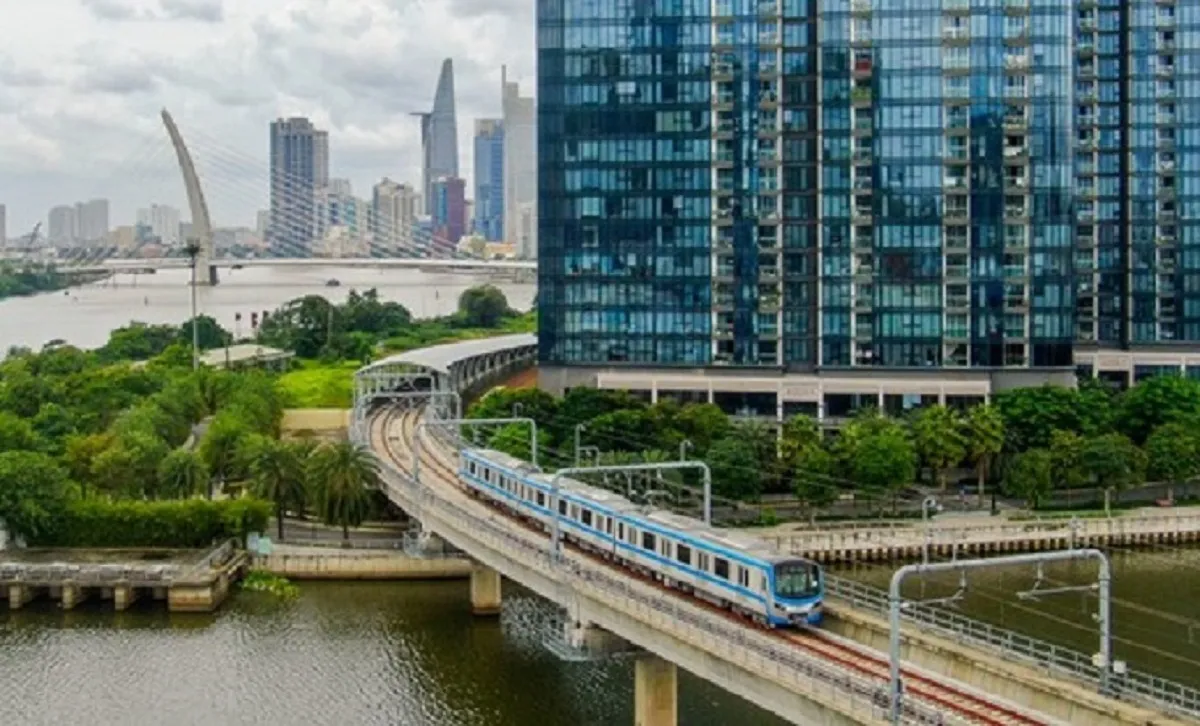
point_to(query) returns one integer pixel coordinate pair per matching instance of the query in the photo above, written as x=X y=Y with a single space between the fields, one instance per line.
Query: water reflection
x=362 y=653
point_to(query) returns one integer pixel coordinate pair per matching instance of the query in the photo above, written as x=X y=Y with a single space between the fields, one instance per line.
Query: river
x=410 y=653
x=84 y=315
x=354 y=654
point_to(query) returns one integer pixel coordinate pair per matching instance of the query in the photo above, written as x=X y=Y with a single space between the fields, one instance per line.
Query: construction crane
x=30 y=242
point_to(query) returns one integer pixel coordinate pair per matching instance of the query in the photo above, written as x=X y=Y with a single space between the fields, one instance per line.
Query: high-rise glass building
x=439 y=135
x=299 y=168
x=854 y=190
x=489 y=179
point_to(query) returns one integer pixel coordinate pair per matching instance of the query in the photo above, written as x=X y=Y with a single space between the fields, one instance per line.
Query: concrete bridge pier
x=485 y=591
x=655 y=692
x=594 y=640
x=123 y=596
x=19 y=596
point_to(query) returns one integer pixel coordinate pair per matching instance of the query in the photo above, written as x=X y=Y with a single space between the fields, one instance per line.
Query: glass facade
x=910 y=183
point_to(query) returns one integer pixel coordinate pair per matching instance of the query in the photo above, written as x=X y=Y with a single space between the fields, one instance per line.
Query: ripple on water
x=366 y=654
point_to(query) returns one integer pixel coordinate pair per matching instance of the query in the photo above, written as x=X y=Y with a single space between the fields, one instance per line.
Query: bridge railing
x=1133 y=685
x=759 y=652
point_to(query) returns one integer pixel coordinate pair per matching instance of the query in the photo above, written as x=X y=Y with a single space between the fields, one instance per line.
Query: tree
x=1157 y=401
x=627 y=430
x=1173 y=455
x=1029 y=476
x=366 y=313
x=702 y=424
x=34 y=491
x=1066 y=459
x=483 y=306
x=209 y=333
x=939 y=438
x=16 y=434
x=80 y=454
x=342 y=474
x=277 y=475
x=985 y=441
x=138 y=341
x=219 y=447
x=799 y=433
x=812 y=469
x=1031 y=415
x=304 y=325
x=53 y=424
x=735 y=469
x=181 y=474
x=1115 y=463
x=885 y=461
x=513 y=439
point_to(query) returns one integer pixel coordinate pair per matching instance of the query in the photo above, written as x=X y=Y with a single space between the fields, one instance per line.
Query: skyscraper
x=299 y=167
x=62 y=226
x=520 y=167
x=91 y=220
x=449 y=211
x=439 y=134
x=489 y=179
x=3 y=227
x=842 y=185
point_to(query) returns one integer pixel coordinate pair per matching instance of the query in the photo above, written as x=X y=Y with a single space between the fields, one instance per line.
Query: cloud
x=79 y=107
x=205 y=11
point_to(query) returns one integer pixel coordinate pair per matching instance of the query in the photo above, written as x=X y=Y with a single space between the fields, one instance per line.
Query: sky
x=82 y=83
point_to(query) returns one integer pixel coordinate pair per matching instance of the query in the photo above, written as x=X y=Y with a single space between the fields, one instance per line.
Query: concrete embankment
x=332 y=563
x=1033 y=688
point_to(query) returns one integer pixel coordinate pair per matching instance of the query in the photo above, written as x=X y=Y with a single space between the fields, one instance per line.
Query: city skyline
x=78 y=109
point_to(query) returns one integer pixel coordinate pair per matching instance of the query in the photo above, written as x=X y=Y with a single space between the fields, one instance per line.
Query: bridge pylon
x=206 y=271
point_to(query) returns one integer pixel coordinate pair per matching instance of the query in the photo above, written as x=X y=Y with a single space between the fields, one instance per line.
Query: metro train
x=727 y=569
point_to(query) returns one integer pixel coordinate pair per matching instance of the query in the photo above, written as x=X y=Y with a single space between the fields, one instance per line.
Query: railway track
x=395 y=425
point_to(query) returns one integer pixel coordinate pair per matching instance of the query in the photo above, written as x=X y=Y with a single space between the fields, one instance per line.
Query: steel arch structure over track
x=453 y=367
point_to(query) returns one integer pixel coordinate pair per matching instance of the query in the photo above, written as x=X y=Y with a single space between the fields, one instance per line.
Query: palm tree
x=985 y=440
x=278 y=475
x=342 y=474
x=181 y=473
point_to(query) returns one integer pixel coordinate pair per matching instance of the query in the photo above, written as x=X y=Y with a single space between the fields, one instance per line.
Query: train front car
x=798 y=590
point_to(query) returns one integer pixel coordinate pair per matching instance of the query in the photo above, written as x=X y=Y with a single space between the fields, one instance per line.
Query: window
x=586 y=517
x=620 y=530
x=702 y=561
x=541 y=499
x=683 y=553
x=721 y=567
x=743 y=576
x=647 y=541
x=562 y=508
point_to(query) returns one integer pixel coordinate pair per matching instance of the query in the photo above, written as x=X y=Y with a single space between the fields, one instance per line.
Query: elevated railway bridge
x=954 y=671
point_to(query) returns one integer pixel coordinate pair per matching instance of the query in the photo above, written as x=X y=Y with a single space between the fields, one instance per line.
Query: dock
x=951 y=536
x=188 y=581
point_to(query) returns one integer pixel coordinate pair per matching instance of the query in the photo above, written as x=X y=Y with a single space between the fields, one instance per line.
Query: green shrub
x=189 y=523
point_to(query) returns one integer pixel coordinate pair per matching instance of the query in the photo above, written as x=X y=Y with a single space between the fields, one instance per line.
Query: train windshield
x=797 y=579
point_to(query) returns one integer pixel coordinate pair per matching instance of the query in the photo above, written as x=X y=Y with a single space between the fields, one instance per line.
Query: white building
x=91 y=220
x=163 y=222
x=396 y=207
x=3 y=227
x=520 y=168
x=63 y=226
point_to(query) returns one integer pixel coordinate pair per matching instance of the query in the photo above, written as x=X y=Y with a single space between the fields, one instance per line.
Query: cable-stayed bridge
x=357 y=238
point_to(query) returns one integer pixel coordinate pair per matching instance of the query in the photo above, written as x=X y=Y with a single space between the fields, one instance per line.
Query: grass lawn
x=317 y=385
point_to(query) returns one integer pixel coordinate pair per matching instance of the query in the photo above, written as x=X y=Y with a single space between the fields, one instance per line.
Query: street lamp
x=579 y=428
x=193 y=251
x=929 y=506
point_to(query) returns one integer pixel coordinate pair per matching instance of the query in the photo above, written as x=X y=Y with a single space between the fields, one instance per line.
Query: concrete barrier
x=324 y=563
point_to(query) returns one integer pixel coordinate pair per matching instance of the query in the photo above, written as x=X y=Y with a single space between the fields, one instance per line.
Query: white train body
x=728 y=569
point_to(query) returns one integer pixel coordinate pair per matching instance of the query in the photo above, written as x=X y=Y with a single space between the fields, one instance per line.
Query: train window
x=721 y=567
x=762 y=584
x=541 y=499
x=702 y=561
x=471 y=468
x=574 y=511
x=586 y=518
x=608 y=525
x=683 y=553
x=743 y=577
x=666 y=548
x=562 y=508
x=647 y=541
x=621 y=530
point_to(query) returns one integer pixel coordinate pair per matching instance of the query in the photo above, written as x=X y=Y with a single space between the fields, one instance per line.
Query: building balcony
x=950 y=63
x=1013 y=152
x=1164 y=71
x=1016 y=5
x=1087 y=25
x=955 y=182
x=860 y=95
x=1013 y=62
x=1015 y=121
x=957 y=271
x=1166 y=119
x=860 y=6
x=1015 y=212
x=956 y=5
x=1085 y=48
x=956 y=33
